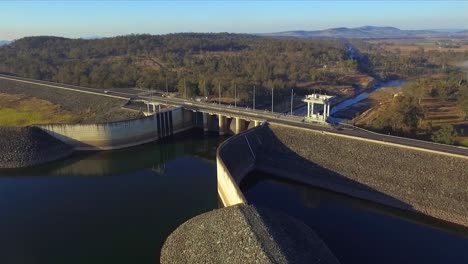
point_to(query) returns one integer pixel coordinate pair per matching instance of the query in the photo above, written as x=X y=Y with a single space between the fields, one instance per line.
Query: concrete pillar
x=240 y=123
x=308 y=109
x=147 y=105
x=328 y=109
x=206 y=117
x=256 y=123
x=324 y=111
x=154 y=108
x=222 y=124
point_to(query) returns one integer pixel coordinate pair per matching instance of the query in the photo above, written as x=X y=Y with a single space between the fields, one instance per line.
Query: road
x=250 y=114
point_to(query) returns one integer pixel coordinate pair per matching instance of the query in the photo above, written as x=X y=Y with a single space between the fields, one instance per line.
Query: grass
x=20 y=110
x=462 y=141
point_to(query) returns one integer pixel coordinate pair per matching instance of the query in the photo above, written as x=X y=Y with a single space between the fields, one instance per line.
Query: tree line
x=197 y=63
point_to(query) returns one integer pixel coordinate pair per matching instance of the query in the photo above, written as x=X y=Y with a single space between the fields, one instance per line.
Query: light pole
x=167 y=91
x=235 y=95
x=204 y=88
x=272 y=95
x=292 y=96
x=185 y=90
x=219 y=93
x=254 y=99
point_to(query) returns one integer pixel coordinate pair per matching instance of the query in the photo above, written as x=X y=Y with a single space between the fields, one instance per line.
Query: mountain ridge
x=366 y=32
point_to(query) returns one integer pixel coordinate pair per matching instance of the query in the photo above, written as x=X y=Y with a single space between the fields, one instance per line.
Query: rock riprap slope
x=430 y=183
x=27 y=146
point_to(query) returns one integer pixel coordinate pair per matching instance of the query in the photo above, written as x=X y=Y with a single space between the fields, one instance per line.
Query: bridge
x=245 y=118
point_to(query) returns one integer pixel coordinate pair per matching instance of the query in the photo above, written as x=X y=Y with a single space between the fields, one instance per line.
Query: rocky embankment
x=22 y=147
x=434 y=184
x=245 y=234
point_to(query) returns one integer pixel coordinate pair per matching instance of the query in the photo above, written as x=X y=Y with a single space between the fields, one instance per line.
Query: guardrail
x=397 y=137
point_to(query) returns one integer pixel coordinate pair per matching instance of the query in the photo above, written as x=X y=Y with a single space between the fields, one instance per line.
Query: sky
x=107 y=18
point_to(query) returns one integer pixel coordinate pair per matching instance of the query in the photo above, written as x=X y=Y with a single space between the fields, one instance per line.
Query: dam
x=333 y=163
x=120 y=205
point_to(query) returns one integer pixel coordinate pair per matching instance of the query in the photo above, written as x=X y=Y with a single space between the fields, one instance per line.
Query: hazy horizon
x=200 y=32
x=113 y=18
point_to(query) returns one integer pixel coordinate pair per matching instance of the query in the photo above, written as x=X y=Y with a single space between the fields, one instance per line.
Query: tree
x=445 y=135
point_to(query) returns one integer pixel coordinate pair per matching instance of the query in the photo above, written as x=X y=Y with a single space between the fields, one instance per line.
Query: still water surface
x=106 y=207
x=358 y=231
x=119 y=206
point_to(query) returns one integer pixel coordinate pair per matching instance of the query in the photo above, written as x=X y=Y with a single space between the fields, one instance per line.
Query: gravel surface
x=244 y=234
x=433 y=184
x=22 y=147
x=91 y=108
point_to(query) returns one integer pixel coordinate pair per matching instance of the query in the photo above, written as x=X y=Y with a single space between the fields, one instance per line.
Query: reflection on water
x=66 y=212
x=358 y=231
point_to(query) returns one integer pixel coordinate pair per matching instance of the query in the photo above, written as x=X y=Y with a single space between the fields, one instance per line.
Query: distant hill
x=367 y=32
x=4 y=42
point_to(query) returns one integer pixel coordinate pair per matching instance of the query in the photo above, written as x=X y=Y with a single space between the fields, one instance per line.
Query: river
x=353 y=100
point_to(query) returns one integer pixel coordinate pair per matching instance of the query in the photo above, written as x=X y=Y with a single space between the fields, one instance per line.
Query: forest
x=196 y=64
x=198 y=61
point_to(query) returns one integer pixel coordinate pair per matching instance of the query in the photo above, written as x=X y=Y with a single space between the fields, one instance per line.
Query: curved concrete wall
x=235 y=159
x=121 y=134
x=408 y=179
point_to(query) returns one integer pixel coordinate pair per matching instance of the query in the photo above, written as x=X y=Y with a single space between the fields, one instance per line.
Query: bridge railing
x=346 y=125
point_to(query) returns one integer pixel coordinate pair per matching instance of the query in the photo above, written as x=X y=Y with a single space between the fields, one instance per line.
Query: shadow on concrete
x=311 y=197
x=277 y=159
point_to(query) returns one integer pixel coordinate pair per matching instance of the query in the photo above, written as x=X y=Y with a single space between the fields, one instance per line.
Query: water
x=357 y=231
x=353 y=100
x=119 y=207
x=362 y=96
x=106 y=207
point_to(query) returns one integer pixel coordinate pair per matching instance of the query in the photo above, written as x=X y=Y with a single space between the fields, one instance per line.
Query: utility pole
x=254 y=99
x=272 y=95
x=235 y=95
x=292 y=96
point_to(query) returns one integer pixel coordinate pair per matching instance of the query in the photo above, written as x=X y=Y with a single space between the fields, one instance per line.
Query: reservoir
x=119 y=207
x=106 y=207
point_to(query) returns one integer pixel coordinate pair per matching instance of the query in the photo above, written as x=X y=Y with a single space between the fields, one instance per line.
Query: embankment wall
x=428 y=183
x=121 y=134
x=28 y=146
x=235 y=159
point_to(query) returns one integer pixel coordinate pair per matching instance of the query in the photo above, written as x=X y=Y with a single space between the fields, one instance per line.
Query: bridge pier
x=222 y=124
x=206 y=120
x=240 y=124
